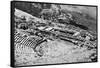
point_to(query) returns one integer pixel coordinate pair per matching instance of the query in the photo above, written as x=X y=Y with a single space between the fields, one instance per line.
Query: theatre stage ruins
x=54 y=35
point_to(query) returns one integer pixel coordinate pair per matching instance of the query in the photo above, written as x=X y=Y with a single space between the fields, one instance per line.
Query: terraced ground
x=52 y=52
